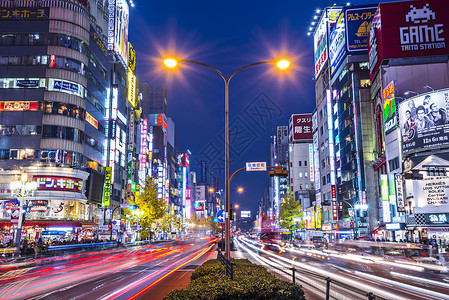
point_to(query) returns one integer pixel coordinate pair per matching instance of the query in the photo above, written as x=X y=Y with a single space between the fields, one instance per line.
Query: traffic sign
x=256 y=166
x=124 y=205
x=221 y=216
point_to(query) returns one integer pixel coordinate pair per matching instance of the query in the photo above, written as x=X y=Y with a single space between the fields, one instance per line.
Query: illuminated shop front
x=58 y=205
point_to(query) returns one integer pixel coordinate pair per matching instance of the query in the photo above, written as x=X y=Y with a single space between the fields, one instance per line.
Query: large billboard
x=423 y=121
x=408 y=29
x=358 y=22
x=121 y=30
x=320 y=37
x=431 y=194
x=300 y=127
x=337 y=43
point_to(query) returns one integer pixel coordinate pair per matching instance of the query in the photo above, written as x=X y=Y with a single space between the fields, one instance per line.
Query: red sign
x=15 y=215
x=184 y=157
x=300 y=127
x=408 y=29
x=18 y=105
x=57 y=183
x=334 y=203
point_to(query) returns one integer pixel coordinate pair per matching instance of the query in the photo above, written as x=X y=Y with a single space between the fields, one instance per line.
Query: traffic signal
x=278 y=171
x=351 y=224
x=232 y=215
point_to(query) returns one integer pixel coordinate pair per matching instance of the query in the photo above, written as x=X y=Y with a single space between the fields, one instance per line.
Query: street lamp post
x=21 y=189
x=281 y=64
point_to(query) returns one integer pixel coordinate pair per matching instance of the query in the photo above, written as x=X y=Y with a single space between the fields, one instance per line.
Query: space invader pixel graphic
x=420 y=15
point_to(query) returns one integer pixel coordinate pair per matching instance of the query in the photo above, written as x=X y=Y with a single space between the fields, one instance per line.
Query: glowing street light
x=240 y=190
x=170 y=62
x=281 y=64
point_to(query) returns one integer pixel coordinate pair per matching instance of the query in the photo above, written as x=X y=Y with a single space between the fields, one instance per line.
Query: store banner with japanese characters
x=300 y=127
x=57 y=183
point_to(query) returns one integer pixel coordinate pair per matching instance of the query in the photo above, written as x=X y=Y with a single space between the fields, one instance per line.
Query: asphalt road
x=352 y=276
x=114 y=274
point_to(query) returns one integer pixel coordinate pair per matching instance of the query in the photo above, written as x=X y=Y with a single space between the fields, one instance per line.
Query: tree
x=289 y=211
x=149 y=205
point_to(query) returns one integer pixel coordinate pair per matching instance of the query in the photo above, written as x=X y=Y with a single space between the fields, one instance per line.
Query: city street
x=112 y=274
x=384 y=278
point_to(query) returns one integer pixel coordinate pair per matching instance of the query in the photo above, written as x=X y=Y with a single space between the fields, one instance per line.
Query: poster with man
x=423 y=121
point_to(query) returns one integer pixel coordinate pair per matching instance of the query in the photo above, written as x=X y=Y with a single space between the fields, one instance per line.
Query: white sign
x=431 y=194
x=103 y=227
x=256 y=166
x=399 y=192
x=245 y=214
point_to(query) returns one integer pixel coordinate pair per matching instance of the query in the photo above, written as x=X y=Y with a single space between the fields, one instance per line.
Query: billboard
x=245 y=214
x=358 y=22
x=300 y=127
x=121 y=30
x=58 y=183
x=431 y=194
x=389 y=107
x=18 y=105
x=409 y=29
x=423 y=121
x=337 y=42
x=320 y=37
x=131 y=58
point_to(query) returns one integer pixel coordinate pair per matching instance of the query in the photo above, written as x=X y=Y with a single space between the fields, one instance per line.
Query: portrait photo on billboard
x=423 y=121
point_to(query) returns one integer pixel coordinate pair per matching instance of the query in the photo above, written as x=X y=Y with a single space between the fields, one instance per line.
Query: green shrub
x=251 y=281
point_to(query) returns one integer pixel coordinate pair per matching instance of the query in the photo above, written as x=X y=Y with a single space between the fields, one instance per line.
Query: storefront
x=57 y=210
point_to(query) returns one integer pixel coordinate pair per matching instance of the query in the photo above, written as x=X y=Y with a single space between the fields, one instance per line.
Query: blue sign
x=60 y=85
x=31 y=83
x=221 y=216
x=358 y=22
x=337 y=49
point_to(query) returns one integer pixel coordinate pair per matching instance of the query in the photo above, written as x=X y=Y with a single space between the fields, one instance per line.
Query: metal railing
x=320 y=285
x=229 y=266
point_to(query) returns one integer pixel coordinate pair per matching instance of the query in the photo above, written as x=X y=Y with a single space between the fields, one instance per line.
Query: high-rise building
x=63 y=110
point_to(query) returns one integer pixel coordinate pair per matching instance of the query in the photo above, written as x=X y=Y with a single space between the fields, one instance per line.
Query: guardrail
x=229 y=266
x=81 y=246
x=329 y=288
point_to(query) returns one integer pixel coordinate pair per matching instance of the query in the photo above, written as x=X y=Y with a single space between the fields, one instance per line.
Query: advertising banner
x=358 y=22
x=15 y=215
x=18 y=105
x=107 y=187
x=57 y=183
x=411 y=29
x=424 y=122
x=337 y=44
x=431 y=194
x=24 y=13
x=91 y=120
x=334 y=204
x=400 y=201
x=300 y=127
x=375 y=44
x=27 y=83
x=389 y=107
x=121 y=30
x=320 y=37
x=66 y=87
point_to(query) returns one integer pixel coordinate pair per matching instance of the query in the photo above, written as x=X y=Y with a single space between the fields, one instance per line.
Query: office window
x=324 y=180
x=299 y=163
x=300 y=186
x=300 y=174
x=305 y=163
x=307 y=186
x=328 y=177
x=305 y=175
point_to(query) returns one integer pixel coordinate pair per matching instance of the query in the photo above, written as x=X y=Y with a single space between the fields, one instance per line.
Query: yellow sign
x=318 y=217
x=91 y=120
x=132 y=82
x=131 y=58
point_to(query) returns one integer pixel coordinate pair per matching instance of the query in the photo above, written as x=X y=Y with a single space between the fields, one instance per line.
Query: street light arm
x=207 y=66
x=247 y=66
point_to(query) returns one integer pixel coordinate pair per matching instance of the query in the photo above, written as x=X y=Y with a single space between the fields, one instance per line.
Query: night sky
x=228 y=35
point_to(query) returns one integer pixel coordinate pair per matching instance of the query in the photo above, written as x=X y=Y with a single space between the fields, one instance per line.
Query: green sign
x=133 y=186
x=107 y=187
x=130 y=169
